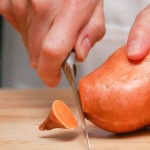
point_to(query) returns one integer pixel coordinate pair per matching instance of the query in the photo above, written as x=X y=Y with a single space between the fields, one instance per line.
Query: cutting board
x=22 y=111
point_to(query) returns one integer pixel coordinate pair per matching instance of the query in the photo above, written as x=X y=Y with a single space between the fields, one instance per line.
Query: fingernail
x=133 y=48
x=85 y=47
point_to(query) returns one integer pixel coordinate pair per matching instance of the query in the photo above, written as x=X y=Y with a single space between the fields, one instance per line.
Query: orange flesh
x=64 y=114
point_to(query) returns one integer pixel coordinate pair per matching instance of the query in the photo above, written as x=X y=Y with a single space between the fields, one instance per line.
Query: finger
x=6 y=11
x=21 y=11
x=91 y=33
x=60 y=40
x=138 y=44
x=39 y=25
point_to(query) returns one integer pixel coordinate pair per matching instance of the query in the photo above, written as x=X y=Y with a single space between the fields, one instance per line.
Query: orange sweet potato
x=116 y=96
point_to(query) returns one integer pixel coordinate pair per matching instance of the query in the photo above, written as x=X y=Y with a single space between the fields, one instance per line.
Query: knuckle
x=40 y=6
x=18 y=7
x=99 y=29
x=49 y=50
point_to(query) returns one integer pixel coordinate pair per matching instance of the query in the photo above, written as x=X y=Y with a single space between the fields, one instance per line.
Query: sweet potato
x=116 y=96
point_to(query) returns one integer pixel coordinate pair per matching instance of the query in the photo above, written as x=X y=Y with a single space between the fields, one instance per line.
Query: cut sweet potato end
x=64 y=114
x=60 y=116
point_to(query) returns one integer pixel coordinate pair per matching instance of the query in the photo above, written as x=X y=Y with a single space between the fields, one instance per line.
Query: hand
x=138 y=44
x=50 y=29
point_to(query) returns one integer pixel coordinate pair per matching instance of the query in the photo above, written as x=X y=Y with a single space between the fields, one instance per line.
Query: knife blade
x=69 y=68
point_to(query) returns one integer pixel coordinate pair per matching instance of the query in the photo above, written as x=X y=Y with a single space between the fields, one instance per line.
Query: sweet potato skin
x=116 y=96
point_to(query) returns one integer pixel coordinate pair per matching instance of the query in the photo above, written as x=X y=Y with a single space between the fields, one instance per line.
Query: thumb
x=138 y=44
x=92 y=32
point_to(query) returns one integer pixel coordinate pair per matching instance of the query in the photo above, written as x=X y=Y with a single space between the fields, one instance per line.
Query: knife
x=69 y=68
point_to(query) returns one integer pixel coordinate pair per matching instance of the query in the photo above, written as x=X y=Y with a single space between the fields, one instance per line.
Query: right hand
x=51 y=28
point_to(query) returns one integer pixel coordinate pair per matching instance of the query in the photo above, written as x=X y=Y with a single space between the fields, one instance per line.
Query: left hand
x=138 y=44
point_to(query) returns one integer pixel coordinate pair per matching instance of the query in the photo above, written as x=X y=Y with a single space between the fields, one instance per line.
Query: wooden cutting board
x=21 y=112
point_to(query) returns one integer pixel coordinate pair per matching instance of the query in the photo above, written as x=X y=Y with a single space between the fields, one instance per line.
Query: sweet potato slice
x=60 y=117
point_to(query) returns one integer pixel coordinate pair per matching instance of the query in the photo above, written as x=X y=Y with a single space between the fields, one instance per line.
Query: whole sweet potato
x=116 y=96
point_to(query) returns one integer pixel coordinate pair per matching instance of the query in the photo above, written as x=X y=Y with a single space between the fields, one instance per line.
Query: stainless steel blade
x=69 y=68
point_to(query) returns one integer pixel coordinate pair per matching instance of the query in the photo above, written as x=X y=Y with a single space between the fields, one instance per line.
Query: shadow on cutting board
x=62 y=135
x=95 y=132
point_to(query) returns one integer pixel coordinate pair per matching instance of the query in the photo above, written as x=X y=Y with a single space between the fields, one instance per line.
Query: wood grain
x=21 y=112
